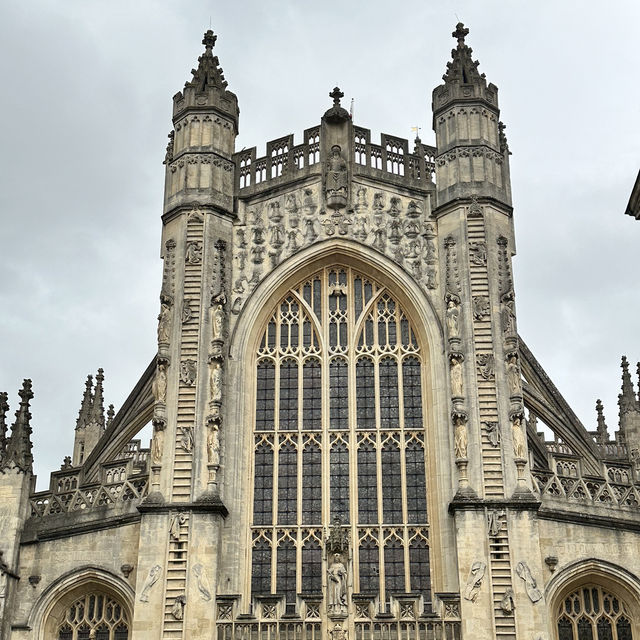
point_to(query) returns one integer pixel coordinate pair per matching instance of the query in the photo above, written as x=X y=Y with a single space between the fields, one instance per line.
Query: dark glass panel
x=420 y=568
x=565 y=630
x=286 y=570
x=311 y=484
x=121 y=632
x=312 y=567
x=367 y=484
x=623 y=627
x=271 y=335
x=263 y=485
x=365 y=394
x=369 y=567
x=605 y=632
x=339 y=481
x=357 y=297
x=312 y=395
x=288 y=412
x=585 y=632
x=389 y=406
x=338 y=395
x=102 y=633
x=287 y=484
x=265 y=395
x=261 y=568
x=317 y=298
x=412 y=393
x=416 y=483
x=404 y=332
x=65 y=633
x=394 y=566
x=391 y=483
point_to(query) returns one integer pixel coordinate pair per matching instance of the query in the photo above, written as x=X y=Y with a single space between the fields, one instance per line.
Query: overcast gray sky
x=86 y=109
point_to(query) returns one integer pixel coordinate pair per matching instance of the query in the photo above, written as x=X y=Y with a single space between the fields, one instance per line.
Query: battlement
x=285 y=160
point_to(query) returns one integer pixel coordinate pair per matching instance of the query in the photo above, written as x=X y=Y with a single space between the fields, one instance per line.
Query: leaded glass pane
x=365 y=394
x=265 y=395
x=419 y=567
x=261 y=568
x=312 y=484
x=312 y=567
x=565 y=629
x=288 y=412
x=287 y=484
x=416 y=483
x=389 y=408
x=263 y=485
x=367 y=484
x=286 y=570
x=312 y=395
x=394 y=566
x=338 y=394
x=412 y=393
x=391 y=483
x=369 y=567
x=339 y=481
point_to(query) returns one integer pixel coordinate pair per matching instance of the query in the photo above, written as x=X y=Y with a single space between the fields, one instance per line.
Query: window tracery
x=95 y=615
x=339 y=431
x=593 y=613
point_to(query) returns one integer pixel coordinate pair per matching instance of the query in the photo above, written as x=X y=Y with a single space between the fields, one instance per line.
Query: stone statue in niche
x=164 y=323
x=309 y=202
x=217 y=322
x=159 y=385
x=474 y=581
x=453 y=317
x=310 y=232
x=431 y=277
x=193 y=254
x=213 y=444
x=152 y=578
x=508 y=315
x=177 y=610
x=276 y=235
x=187 y=312
x=292 y=240
x=361 y=200
x=157 y=443
x=380 y=239
x=337 y=180
x=456 y=375
x=519 y=445
x=202 y=581
x=216 y=383
x=513 y=375
x=337 y=586
x=530 y=585
x=460 y=437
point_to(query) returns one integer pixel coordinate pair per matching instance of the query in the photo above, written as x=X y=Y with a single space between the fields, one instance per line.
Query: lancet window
x=339 y=432
x=593 y=613
x=95 y=615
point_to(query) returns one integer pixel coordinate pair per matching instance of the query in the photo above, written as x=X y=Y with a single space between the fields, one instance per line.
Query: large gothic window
x=96 y=615
x=591 y=613
x=339 y=432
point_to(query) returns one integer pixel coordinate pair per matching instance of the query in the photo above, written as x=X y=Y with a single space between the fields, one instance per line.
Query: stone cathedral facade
x=347 y=435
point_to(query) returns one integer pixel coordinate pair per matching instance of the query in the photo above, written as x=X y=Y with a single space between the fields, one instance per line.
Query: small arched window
x=593 y=613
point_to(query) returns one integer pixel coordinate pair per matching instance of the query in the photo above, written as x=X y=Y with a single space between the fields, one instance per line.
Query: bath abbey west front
x=347 y=428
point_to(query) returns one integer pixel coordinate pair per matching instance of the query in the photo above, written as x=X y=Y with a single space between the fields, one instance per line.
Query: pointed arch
x=245 y=340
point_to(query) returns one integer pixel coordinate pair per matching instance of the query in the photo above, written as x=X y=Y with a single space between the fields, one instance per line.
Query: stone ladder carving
x=500 y=562
x=483 y=343
x=176 y=574
x=183 y=461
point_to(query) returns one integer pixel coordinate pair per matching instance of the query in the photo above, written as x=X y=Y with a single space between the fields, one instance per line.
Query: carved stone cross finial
x=460 y=33
x=336 y=94
x=209 y=39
